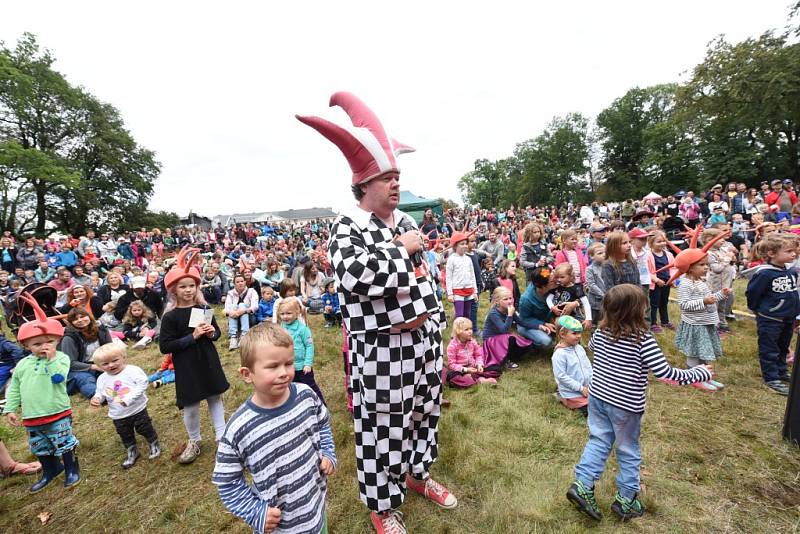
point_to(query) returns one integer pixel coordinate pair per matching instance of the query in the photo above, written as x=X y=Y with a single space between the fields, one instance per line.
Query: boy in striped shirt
x=282 y=435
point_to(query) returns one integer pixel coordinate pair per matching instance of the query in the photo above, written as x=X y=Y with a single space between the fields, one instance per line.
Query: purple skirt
x=497 y=348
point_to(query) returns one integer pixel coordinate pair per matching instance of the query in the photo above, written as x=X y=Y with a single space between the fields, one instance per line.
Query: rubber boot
x=133 y=454
x=72 y=471
x=51 y=468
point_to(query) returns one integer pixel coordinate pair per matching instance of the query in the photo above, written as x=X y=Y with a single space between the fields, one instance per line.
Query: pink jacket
x=561 y=257
x=460 y=355
x=651 y=266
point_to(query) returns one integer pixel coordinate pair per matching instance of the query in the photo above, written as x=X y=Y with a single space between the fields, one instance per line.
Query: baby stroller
x=20 y=312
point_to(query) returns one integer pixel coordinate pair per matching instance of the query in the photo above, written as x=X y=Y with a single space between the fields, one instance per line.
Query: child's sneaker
x=142 y=343
x=583 y=498
x=190 y=453
x=390 y=522
x=234 y=344
x=511 y=365
x=778 y=387
x=718 y=385
x=627 y=508
x=432 y=490
x=705 y=386
x=157 y=384
x=655 y=329
x=155 y=450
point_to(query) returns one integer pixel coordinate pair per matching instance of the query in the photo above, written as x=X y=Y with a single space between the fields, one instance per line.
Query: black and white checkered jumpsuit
x=396 y=377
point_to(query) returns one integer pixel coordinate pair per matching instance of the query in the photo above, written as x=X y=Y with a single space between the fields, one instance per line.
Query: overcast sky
x=212 y=88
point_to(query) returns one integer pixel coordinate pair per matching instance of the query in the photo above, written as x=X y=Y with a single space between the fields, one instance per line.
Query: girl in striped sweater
x=624 y=352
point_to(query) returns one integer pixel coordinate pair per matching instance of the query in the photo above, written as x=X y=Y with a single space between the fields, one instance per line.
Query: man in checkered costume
x=393 y=317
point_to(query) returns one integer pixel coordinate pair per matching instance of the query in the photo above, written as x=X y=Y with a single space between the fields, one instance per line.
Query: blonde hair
x=147 y=313
x=655 y=234
x=108 y=351
x=593 y=248
x=293 y=302
x=499 y=293
x=614 y=252
x=709 y=234
x=461 y=324
x=527 y=234
x=564 y=268
x=267 y=334
x=567 y=234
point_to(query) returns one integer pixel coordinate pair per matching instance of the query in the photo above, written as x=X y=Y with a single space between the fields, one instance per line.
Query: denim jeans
x=540 y=339
x=773 y=345
x=84 y=382
x=234 y=323
x=609 y=424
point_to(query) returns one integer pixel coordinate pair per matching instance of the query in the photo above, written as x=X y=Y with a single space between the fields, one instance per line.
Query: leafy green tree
x=487 y=184
x=66 y=159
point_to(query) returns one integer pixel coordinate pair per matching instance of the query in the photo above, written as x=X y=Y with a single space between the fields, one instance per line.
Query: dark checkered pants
x=397 y=390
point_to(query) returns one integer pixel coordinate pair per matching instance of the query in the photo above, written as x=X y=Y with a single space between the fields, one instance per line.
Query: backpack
x=22 y=312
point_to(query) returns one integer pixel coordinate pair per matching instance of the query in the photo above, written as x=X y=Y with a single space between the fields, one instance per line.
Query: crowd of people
x=552 y=275
x=579 y=263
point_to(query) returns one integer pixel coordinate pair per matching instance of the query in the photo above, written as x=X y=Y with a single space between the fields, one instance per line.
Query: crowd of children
x=605 y=280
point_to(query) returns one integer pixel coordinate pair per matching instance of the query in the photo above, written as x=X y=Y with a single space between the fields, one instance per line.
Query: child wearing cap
x=330 y=305
x=571 y=367
x=39 y=386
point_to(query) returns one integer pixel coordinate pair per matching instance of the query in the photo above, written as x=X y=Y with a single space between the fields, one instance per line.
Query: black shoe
x=155 y=450
x=627 y=509
x=778 y=387
x=511 y=365
x=51 y=468
x=133 y=454
x=583 y=498
x=72 y=470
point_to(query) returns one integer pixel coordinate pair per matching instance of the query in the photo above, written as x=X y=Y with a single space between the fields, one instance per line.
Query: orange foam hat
x=184 y=267
x=42 y=325
x=684 y=259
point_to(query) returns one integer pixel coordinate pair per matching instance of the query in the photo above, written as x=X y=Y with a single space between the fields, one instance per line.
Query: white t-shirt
x=123 y=391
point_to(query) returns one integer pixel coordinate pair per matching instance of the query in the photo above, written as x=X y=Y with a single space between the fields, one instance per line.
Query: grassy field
x=712 y=462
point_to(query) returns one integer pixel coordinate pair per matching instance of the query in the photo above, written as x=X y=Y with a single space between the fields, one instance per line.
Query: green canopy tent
x=416 y=206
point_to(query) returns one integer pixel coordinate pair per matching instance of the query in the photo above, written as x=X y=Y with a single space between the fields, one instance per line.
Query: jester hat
x=184 y=267
x=684 y=259
x=42 y=325
x=367 y=147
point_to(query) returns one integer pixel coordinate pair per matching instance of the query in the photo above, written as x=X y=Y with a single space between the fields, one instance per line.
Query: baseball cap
x=638 y=233
x=597 y=228
x=788 y=181
x=570 y=323
x=775 y=181
x=717 y=186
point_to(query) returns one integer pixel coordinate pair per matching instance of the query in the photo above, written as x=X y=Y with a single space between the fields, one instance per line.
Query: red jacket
x=773 y=196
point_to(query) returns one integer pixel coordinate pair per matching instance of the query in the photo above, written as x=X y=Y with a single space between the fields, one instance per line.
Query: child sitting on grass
x=571 y=366
x=289 y=483
x=465 y=358
x=122 y=386
x=330 y=305
x=165 y=373
x=266 y=306
x=568 y=298
x=624 y=352
x=39 y=385
x=500 y=345
x=139 y=324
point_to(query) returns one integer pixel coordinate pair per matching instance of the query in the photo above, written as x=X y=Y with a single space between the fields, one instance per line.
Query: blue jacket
x=67 y=258
x=265 y=309
x=331 y=300
x=772 y=292
x=10 y=353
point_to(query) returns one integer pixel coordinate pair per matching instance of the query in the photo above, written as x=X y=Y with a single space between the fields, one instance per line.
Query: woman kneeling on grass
x=624 y=351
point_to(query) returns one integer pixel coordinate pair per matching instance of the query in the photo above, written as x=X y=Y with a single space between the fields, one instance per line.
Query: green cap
x=570 y=323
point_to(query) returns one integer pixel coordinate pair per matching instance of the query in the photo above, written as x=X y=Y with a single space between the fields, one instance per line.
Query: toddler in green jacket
x=39 y=386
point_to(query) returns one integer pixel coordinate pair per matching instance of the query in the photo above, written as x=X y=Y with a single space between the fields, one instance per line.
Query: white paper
x=200 y=316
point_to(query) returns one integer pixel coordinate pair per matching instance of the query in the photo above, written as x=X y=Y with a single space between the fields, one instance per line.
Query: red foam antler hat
x=184 y=267
x=42 y=325
x=686 y=258
x=366 y=145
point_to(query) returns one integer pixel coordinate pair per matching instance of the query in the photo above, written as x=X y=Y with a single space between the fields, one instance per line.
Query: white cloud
x=213 y=88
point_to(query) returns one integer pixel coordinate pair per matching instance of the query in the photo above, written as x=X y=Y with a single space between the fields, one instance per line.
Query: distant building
x=194 y=219
x=293 y=216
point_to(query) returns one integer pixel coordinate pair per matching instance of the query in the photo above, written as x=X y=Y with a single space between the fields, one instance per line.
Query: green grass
x=712 y=462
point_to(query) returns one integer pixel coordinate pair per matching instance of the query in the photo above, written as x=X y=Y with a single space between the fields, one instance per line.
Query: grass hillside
x=712 y=462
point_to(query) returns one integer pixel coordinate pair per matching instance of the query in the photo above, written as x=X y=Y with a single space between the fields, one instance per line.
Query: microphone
x=406 y=226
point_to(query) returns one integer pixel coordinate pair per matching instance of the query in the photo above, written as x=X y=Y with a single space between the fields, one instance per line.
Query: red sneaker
x=432 y=490
x=390 y=522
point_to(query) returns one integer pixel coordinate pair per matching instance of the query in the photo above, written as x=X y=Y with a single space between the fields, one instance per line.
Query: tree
x=66 y=159
x=743 y=106
x=553 y=167
x=487 y=184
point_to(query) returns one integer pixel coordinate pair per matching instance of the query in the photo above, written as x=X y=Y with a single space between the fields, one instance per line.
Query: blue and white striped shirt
x=282 y=448
x=619 y=370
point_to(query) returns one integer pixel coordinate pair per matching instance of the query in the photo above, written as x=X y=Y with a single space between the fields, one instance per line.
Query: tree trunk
x=792 y=136
x=41 y=207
